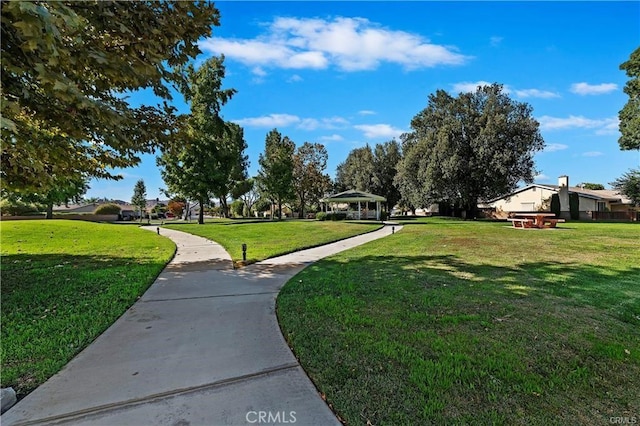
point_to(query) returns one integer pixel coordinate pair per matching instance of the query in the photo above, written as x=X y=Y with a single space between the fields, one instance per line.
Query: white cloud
x=553 y=147
x=285 y=120
x=259 y=72
x=294 y=79
x=472 y=86
x=495 y=41
x=592 y=154
x=366 y=112
x=536 y=93
x=350 y=44
x=593 y=89
x=332 y=138
x=612 y=127
x=603 y=126
x=541 y=177
x=468 y=86
x=271 y=120
x=376 y=131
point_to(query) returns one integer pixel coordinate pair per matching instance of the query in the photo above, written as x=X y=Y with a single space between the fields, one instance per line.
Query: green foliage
x=574 y=206
x=629 y=185
x=555 y=205
x=107 y=209
x=592 y=186
x=64 y=68
x=275 y=177
x=210 y=161
x=630 y=114
x=322 y=216
x=12 y=207
x=139 y=198
x=372 y=171
x=335 y=216
x=63 y=284
x=357 y=171
x=384 y=215
x=477 y=145
x=237 y=208
x=309 y=180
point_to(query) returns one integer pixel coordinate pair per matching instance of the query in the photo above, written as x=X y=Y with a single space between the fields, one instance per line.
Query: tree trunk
x=279 y=209
x=201 y=212
x=301 y=212
x=49 y=211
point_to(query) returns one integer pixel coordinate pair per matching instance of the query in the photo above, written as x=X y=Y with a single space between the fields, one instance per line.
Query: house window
x=602 y=206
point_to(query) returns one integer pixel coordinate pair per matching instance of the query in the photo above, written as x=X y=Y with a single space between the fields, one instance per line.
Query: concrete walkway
x=201 y=347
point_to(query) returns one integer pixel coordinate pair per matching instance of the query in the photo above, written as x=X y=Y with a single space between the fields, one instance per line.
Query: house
x=593 y=204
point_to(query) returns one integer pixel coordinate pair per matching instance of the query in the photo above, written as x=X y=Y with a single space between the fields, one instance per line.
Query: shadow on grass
x=616 y=291
x=54 y=305
x=435 y=339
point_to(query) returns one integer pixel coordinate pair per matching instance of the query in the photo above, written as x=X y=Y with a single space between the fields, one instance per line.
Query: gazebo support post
x=377 y=210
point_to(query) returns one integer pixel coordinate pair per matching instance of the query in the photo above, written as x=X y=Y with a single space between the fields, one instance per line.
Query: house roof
x=595 y=194
x=353 y=196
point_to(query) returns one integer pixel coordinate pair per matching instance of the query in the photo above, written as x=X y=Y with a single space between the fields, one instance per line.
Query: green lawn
x=269 y=239
x=63 y=283
x=452 y=322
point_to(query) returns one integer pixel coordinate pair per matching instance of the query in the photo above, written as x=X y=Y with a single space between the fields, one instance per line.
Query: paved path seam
x=210 y=353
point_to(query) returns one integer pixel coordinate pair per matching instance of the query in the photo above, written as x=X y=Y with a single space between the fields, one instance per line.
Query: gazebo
x=359 y=197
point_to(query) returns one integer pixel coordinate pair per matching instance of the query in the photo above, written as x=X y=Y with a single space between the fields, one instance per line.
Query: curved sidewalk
x=201 y=347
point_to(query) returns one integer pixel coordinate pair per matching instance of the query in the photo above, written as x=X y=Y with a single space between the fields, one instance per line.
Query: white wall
x=524 y=201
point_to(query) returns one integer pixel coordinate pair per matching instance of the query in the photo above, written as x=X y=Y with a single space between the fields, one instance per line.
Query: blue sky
x=347 y=74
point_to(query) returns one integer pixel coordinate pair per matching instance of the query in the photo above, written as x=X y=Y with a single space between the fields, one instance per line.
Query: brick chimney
x=563 y=181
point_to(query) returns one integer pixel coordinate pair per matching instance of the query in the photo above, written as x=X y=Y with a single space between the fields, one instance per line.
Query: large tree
x=65 y=69
x=630 y=113
x=309 y=178
x=356 y=172
x=211 y=151
x=386 y=158
x=275 y=176
x=477 y=145
x=139 y=198
x=629 y=185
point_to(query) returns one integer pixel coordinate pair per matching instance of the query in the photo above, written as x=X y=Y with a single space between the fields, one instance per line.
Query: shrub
x=237 y=208
x=555 y=204
x=574 y=206
x=321 y=216
x=384 y=215
x=107 y=209
x=17 y=208
x=336 y=216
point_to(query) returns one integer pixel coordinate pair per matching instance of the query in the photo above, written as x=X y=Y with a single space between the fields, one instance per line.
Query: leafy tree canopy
x=275 y=177
x=630 y=113
x=309 y=178
x=477 y=145
x=592 y=186
x=210 y=158
x=65 y=69
x=629 y=185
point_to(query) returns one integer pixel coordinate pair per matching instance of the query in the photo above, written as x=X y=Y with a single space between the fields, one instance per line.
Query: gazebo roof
x=353 y=196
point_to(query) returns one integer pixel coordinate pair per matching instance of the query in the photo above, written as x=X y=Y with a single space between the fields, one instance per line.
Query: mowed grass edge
x=269 y=239
x=451 y=322
x=63 y=284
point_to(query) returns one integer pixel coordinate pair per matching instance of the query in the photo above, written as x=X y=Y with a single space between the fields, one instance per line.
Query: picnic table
x=535 y=220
